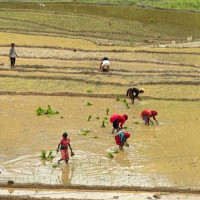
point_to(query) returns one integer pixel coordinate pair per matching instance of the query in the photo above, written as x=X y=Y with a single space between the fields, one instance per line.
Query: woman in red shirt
x=118 y=120
x=147 y=114
x=63 y=146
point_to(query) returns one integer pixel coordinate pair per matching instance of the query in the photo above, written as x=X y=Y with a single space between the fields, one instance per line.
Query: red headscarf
x=127 y=134
x=154 y=112
x=125 y=116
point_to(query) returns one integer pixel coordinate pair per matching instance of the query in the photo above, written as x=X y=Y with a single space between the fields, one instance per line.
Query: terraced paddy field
x=59 y=66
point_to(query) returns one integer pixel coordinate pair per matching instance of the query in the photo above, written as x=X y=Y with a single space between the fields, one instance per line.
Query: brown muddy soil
x=48 y=71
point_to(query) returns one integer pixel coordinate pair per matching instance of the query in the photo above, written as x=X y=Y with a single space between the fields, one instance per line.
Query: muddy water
x=176 y=23
x=163 y=155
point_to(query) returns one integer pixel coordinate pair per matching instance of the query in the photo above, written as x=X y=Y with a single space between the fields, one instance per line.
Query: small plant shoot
x=107 y=111
x=89 y=104
x=110 y=155
x=49 y=111
x=89 y=117
x=89 y=91
x=103 y=124
x=118 y=97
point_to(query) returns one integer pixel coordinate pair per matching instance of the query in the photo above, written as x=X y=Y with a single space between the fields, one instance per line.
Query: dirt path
x=87 y=194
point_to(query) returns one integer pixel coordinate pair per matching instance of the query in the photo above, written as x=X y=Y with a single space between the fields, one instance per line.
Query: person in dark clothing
x=133 y=93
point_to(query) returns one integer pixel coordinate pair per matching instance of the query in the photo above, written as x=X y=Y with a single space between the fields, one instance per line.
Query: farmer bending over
x=121 y=139
x=147 y=114
x=116 y=120
x=63 y=146
x=105 y=64
x=133 y=93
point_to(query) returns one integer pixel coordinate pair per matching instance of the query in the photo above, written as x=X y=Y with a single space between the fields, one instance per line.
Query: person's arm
x=58 y=148
x=155 y=119
x=70 y=147
x=122 y=123
x=16 y=54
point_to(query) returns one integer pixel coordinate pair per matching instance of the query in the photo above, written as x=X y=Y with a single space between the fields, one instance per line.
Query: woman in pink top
x=63 y=146
x=147 y=114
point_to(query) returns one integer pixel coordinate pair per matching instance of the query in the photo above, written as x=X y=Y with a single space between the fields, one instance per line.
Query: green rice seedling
x=107 y=111
x=110 y=155
x=43 y=155
x=40 y=111
x=116 y=151
x=127 y=105
x=50 y=156
x=125 y=127
x=136 y=122
x=85 y=131
x=55 y=165
x=105 y=118
x=89 y=91
x=103 y=124
x=118 y=97
x=89 y=104
x=94 y=137
x=151 y=21
x=48 y=112
x=124 y=100
x=89 y=117
x=97 y=117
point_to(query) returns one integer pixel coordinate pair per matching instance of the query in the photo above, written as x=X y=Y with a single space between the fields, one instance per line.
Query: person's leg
x=11 y=63
x=14 y=62
x=145 y=118
x=113 y=130
x=107 y=68
x=115 y=126
x=60 y=161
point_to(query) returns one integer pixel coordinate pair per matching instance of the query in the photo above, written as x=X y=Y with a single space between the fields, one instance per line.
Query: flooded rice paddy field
x=164 y=155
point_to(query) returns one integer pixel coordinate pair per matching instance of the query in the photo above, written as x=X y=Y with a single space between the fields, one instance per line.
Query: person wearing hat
x=105 y=64
x=147 y=114
x=133 y=93
x=118 y=121
x=121 y=139
x=63 y=147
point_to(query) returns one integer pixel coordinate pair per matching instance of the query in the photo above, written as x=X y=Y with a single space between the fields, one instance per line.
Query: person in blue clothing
x=121 y=139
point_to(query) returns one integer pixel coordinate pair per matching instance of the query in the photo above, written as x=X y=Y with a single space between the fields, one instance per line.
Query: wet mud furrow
x=166 y=52
x=112 y=70
x=106 y=96
x=104 y=188
x=136 y=83
x=160 y=74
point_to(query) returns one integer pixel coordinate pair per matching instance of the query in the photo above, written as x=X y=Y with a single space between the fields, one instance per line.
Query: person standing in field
x=63 y=147
x=12 y=55
x=105 y=65
x=118 y=121
x=121 y=139
x=147 y=114
x=133 y=93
